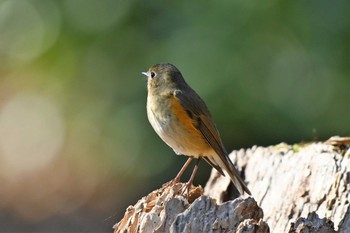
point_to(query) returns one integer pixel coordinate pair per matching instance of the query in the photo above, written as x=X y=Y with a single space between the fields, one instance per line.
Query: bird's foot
x=186 y=188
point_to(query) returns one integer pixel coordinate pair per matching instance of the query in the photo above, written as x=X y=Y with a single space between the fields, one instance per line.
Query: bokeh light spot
x=31 y=134
x=24 y=33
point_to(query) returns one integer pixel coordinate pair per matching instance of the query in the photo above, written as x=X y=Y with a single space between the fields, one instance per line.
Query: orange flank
x=192 y=141
x=183 y=116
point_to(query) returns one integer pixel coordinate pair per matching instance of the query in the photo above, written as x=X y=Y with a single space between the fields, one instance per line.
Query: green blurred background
x=75 y=145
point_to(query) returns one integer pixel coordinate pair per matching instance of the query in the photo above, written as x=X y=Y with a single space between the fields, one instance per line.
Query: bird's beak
x=146 y=73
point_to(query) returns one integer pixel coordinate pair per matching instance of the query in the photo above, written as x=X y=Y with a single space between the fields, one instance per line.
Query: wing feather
x=195 y=106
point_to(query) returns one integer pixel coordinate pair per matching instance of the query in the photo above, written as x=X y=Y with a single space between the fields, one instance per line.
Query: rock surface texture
x=169 y=210
x=300 y=188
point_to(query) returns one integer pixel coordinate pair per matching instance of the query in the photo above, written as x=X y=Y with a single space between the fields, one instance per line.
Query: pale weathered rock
x=312 y=224
x=204 y=215
x=290 y=182
x=294 y=185
x=167 y=210
x=251 y=226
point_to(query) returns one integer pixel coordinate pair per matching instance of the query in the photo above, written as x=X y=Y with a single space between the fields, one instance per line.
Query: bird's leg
x=189 y=183
x=178 y=176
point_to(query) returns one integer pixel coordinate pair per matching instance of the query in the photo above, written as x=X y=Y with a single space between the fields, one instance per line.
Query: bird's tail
x=232 y=172
x=237 y=180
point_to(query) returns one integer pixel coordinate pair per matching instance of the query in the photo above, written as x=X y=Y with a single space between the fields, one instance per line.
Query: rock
x=301 y=188
x=289 y=182
x=312 y=224
x=168 y=210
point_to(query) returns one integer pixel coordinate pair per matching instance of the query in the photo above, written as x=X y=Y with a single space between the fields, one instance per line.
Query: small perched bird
x=182 y=120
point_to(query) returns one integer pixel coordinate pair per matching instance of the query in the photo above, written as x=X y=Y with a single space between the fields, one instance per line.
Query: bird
x=182 y=120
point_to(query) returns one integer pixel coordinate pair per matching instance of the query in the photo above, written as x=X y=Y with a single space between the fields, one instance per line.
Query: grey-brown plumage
x=181 y=118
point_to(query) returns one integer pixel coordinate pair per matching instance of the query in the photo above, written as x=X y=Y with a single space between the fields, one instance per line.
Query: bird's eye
x=153 y=74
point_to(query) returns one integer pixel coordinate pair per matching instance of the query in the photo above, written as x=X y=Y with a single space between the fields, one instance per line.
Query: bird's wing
x=202 y=120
